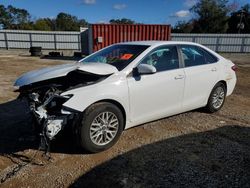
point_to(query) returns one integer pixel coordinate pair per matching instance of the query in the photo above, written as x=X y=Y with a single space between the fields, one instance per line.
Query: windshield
x=119 y=55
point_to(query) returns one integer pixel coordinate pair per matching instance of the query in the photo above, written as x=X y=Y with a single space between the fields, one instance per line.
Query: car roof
x=154 y=43
x=158 y=43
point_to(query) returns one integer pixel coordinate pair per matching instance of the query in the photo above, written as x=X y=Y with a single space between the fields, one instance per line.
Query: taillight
x=234 y=68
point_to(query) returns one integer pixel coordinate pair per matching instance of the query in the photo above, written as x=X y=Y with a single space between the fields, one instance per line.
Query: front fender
x=86 y=96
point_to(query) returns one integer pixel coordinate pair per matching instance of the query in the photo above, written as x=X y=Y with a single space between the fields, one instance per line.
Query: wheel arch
x=224 y=83
x=116 y=103
x=221 y=81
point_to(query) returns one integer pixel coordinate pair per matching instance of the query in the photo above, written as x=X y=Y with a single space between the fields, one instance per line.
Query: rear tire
x=216 y=98
x=101 y=126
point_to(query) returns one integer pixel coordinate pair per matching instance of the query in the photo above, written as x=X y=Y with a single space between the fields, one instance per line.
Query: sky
x=101 y=11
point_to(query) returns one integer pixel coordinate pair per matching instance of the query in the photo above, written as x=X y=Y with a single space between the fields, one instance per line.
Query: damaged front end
x=46 y=103
x=49 y=115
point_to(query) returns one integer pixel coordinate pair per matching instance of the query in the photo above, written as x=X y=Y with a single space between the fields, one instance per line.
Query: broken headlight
x=54 y=106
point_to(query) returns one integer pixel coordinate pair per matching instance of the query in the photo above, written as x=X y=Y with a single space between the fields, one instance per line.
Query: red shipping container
x=102 y=35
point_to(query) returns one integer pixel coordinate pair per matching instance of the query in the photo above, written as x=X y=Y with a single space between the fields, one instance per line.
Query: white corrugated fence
x=64 y=40
x=218 y=42
x=54 y=40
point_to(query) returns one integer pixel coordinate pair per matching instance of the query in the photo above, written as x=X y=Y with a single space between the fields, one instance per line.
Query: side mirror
x=146 y=69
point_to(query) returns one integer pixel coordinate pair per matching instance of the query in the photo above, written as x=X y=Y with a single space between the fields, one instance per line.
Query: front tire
x=216 y=98
x=101 y=127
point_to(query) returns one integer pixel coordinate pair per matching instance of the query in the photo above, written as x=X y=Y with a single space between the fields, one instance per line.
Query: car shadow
x=15 y=127
x=215 y=158
x=17 y=132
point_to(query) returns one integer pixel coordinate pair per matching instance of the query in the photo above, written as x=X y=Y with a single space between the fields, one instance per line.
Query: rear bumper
x=231 y=82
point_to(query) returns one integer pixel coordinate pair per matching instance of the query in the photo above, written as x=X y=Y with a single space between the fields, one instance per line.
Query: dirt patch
x=192 y=149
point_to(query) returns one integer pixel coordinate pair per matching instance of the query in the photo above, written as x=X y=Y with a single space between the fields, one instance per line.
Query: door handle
x=179 y=77
x=214 y=69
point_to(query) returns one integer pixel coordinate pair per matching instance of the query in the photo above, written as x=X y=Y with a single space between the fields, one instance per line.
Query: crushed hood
x=63 y=70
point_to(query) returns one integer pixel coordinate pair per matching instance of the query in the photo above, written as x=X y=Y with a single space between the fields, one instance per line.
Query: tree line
x=16 y=18
x=216 y=16
x=209 y=16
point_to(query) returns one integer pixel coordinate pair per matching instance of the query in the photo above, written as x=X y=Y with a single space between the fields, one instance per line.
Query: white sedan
x=125 y=85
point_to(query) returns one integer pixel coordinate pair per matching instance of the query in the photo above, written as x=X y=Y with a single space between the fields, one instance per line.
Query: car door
x=160 y=94
x=201 y=70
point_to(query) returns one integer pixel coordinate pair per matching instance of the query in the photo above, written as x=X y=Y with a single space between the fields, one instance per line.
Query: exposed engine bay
x=46 y=102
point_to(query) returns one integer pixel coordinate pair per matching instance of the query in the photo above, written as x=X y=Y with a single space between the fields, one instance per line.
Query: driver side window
x=163 y=58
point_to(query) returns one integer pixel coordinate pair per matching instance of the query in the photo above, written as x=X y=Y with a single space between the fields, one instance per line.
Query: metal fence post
x=6 y=40
x=217 y=44
x=79 y=42
x=243 y=44
x=30 y=35
x=193 y=39
x=55 y=41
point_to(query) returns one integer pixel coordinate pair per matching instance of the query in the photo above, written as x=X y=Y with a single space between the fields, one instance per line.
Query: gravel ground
x=193 y=149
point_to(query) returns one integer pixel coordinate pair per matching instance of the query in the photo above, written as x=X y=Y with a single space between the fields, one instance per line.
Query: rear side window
x=194 y=56
x=209 y=57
